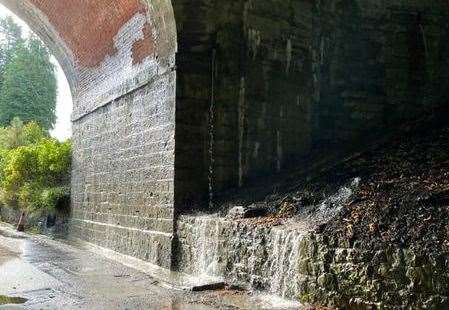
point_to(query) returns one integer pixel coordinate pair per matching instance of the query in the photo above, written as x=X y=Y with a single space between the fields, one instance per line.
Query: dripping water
x=426 y=57
x=288 y=55
x=241 y=127
x=279 y=151
x=424 y=38
x=269 y=258
x=212 y=131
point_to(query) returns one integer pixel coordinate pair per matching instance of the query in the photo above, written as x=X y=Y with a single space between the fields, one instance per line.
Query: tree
x=29 y=86
x=11 y=33
x=10 y=38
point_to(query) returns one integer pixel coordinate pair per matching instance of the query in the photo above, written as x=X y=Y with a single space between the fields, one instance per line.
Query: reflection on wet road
x=50 y=274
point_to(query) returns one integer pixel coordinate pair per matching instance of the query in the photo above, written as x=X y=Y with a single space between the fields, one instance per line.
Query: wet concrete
x=53 y=274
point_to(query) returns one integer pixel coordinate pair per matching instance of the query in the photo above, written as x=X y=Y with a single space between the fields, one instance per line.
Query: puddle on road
x=7 y=300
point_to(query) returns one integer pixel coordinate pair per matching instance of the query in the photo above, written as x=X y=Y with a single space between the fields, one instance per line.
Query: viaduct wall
x=293 y=81
x=177 y=99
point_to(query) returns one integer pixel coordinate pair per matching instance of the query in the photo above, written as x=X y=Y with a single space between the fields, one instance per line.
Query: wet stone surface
x=51 y=274
x=7 y=300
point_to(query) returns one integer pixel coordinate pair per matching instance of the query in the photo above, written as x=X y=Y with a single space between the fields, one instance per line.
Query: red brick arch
x=105 y=47
x=89 y=26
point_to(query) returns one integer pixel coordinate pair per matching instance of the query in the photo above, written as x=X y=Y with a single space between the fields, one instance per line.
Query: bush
x=34 y=197
x=35 y=175
x=20 y=134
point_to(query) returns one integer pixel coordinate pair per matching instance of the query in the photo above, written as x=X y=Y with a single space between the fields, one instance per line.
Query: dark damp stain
x=7 y=300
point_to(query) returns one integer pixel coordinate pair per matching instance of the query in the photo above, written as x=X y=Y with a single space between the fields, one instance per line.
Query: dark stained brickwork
x=294 y=81
x=252 y=62
x=380 y=64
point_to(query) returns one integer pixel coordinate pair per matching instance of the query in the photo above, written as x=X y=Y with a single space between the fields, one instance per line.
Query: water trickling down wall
x=295 y=262
x=259 y=258
x=251 y=255
x=298 y=81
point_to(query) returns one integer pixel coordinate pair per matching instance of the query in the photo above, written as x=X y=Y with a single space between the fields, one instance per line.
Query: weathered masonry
x=174 y=99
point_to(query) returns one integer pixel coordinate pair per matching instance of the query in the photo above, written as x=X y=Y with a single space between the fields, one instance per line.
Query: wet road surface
x=52 y=274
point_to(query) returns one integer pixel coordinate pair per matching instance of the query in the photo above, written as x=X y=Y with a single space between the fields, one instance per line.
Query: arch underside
x=119 y=59
x=105 y=48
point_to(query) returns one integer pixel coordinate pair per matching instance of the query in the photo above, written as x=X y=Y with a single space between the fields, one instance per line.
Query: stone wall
x=44 y=221
x=124 y=138
x=122 y=184
x=381 y=64
x=295 y=262
x=244 y=93
x=264 y=85
x=10 y=215
x=341 y=274
x=246 y=255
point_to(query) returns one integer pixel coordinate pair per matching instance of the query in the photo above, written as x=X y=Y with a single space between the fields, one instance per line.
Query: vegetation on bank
x=34 y=168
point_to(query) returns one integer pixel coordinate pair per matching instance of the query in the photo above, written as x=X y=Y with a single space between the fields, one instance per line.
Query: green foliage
x=10 y=38
x=20 y=134
x=34 y=168
x=35 y=172
x=27 y=78
x=11 y=33
x=37 y=198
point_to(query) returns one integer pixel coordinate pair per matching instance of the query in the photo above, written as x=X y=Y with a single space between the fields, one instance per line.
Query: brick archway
x=119 y=58
x=105 y=49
